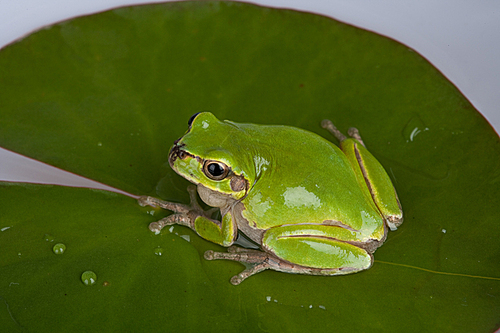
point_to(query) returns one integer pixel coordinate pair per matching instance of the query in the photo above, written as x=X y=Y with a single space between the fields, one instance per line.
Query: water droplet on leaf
x=89 y=278
x=48 y=238
x=59 y=248
x=158 y=251
x=414 y=127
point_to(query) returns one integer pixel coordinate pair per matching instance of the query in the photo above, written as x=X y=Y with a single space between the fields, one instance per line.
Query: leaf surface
x=104 y=96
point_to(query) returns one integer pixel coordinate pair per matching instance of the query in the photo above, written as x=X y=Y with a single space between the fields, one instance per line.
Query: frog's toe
x=181 y=219
x=236 y=280
x=236 y=253
x=258 y=261
x=155 y=227
x=144 y=201
x=328 y=125
x=209 y=255
x=354 y=133
x=254 y=269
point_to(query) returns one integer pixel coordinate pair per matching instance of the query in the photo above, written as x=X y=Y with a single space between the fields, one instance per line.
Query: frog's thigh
x=297 y=245
x=370 y=172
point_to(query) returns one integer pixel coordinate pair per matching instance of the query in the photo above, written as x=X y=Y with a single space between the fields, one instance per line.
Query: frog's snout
x=177 y=152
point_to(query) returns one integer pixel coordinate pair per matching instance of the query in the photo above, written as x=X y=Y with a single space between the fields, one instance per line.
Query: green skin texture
x=313 y=208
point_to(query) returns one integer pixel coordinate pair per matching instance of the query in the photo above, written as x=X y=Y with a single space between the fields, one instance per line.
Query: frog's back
x=302 y=178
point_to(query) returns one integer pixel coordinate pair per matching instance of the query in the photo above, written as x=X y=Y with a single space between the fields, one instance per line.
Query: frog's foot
x=183 y=214
x=353 y=132
x=327 y=124
x=260 y=261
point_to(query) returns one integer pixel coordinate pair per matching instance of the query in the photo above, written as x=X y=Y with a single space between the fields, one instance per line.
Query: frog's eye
x=215 y=170
x=190 y=121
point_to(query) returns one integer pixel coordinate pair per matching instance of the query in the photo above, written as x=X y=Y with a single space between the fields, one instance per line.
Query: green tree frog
x=312 y=207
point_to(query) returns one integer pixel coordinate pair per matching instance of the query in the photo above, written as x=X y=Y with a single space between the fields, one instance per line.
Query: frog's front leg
x=193 y=216
x=181 y=214
x=304 y=249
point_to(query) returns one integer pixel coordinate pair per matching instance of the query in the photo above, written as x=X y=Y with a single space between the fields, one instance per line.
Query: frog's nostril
x=177 y=152
x=174 y=153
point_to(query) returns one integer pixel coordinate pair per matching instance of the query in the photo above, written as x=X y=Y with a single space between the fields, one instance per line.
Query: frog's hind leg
x=370 y=174
x=317 y=256
x=323 y=254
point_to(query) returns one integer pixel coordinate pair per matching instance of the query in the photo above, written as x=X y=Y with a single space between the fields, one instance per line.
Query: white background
x=460 y=37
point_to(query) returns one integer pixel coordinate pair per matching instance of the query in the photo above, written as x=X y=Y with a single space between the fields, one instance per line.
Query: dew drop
x=48 y=238
x=414 y=127
x=59 y=248
x=89 y=278
x=158 y=251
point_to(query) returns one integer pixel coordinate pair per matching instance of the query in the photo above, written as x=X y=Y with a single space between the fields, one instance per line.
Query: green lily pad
x=104 y=96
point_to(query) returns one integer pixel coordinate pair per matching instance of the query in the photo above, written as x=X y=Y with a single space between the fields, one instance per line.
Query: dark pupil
x=215 y=169
x=190 y=121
